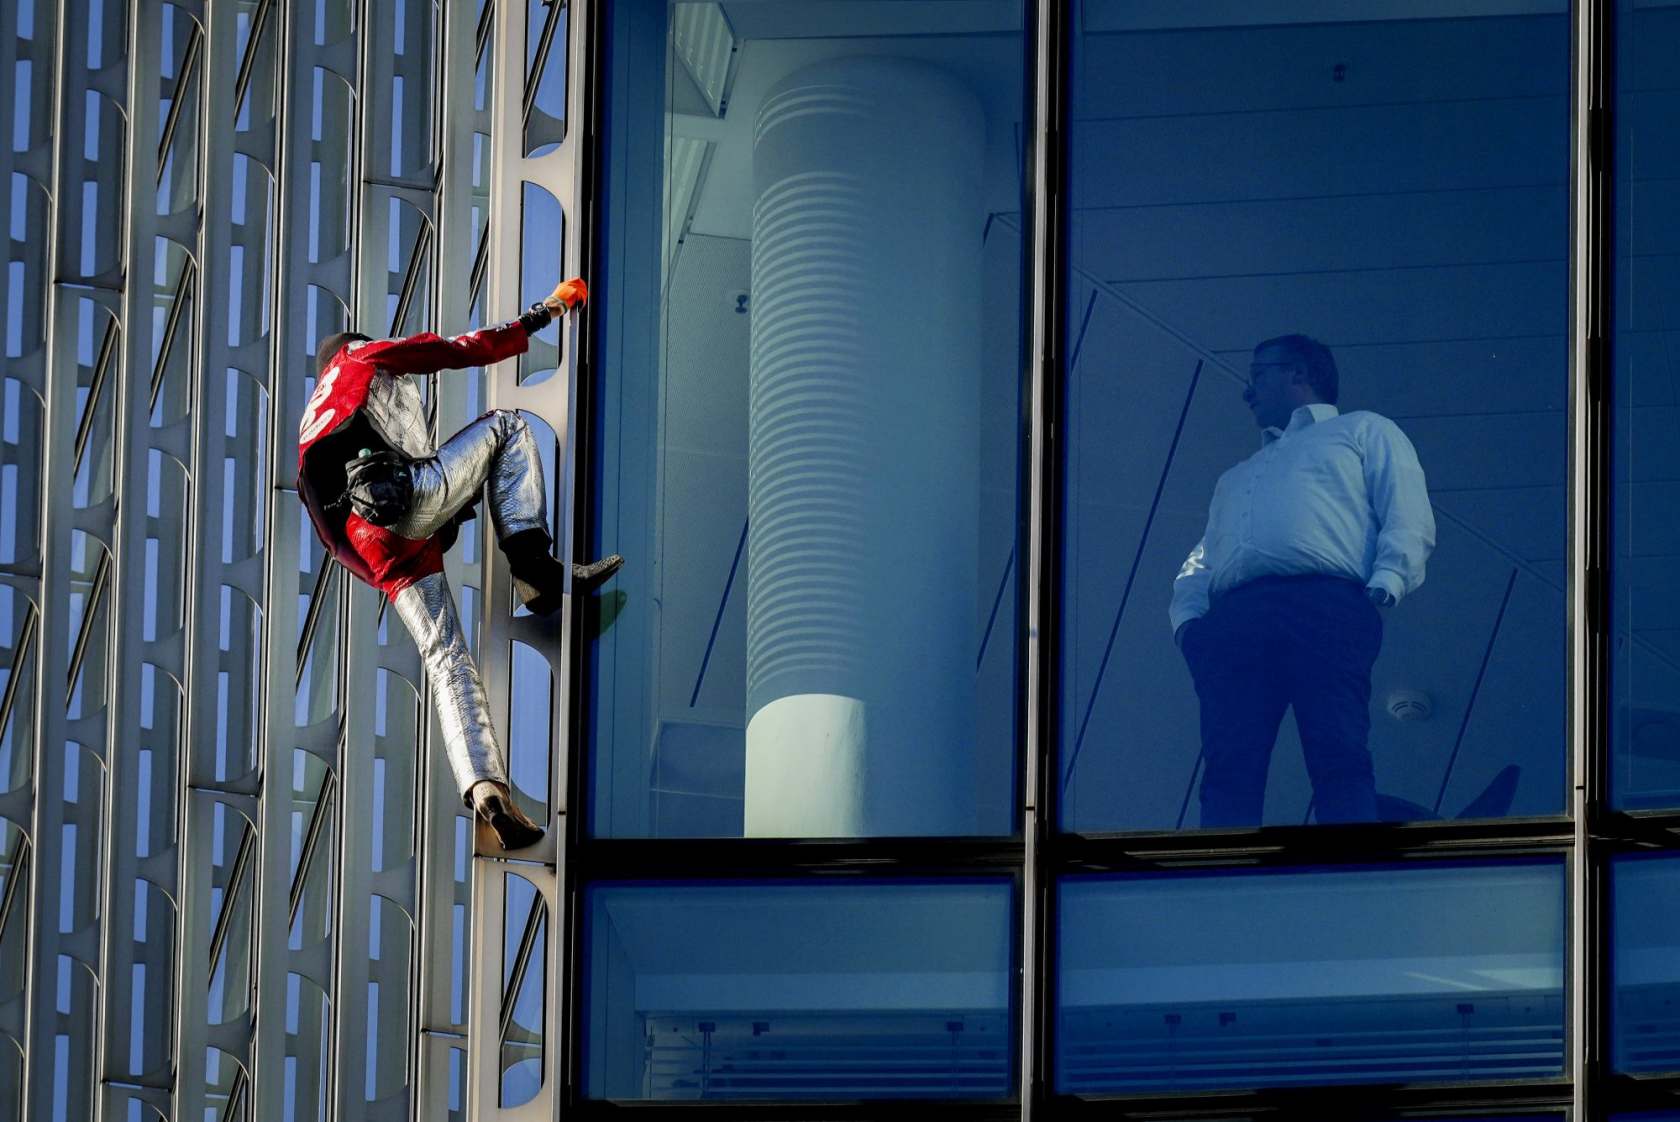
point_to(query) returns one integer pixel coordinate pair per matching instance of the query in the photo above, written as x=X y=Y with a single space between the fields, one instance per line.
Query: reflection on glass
x=98 y=351
x=542 y=255
x=408 y=290
x=761 y=990
x=391 y=945
x=397 y=718
x=230 y=899
x=308 y=1046
x=529 y=748
x=239 y=689
x=413 y=87
x=98 y=203
x=1645 y=651
x=1354 y=235
x=244 y=468
x=178 y=177
x=329 y=183
x=546 y=39
x=524 y=968
x=810 y=421
x=1645 y=963
x=1373 y=974
x=21 y=418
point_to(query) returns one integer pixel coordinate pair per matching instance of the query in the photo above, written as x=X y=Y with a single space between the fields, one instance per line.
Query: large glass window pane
x=1366 y=217
x=1645 y=963
x=1645 y=664
x=809 y=437
x=1369 y=974
x=780 y=991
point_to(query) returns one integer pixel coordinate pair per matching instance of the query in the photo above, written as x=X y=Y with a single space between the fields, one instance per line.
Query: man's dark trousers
x=1268 y=644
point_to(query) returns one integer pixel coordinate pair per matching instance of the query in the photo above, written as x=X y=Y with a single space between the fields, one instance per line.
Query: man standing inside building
x=1278 y=604
x=387 y=505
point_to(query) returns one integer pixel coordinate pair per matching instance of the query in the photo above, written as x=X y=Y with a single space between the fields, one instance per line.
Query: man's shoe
x=512 y=828
x=587 y=578
x=538 y=579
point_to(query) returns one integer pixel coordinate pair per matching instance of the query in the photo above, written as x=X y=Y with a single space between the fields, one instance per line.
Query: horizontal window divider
x=1645 y=1091
x=1312 y=845
x=708 y=858
x=1393 y=1100
x=1636 y=830
x=876 y=1110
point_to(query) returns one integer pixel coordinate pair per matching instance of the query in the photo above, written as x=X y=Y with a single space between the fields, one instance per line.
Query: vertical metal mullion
x=1048 y=69
x=43 y=1020
x=1590 y=495
x=489 y=880
x=584 y=63
x=588 y=111
x=401 y=824
x=281 y=738
x=202 y=789
x=440 y=806
x=558 y=171
x=219 y=158
x=318 y=739
x=22 y=577
x=371 y=119
x=123 y=865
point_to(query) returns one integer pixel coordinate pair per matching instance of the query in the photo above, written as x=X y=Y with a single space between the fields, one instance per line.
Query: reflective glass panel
x=1364 y=974
x=1645 y=391
x=1351 y=229
x=809 y=420
x=1645 y=963
x=863 y=990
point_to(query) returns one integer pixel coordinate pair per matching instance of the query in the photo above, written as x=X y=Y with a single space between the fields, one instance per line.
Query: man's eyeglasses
x=1255 y=368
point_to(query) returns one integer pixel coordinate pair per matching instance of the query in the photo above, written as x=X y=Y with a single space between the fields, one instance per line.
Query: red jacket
x=361 y=393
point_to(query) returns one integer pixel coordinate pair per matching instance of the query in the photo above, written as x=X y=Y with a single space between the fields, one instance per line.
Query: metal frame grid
x=1039 y=854
x=164 y=796
x=208 y=187
x=537 y=171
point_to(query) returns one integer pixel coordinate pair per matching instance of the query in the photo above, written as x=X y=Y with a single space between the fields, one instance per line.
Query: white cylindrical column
x=863 y=484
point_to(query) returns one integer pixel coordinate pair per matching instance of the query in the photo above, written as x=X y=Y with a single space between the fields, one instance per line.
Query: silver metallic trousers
x=497 y=449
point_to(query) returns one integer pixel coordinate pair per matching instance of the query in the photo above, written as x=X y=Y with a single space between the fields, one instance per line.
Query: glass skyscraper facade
x=922 y=760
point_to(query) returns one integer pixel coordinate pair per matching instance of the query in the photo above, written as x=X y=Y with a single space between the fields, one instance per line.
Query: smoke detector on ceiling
x=1410 y=705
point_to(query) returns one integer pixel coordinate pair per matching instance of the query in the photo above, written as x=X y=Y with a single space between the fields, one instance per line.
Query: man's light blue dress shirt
x=1333 y=494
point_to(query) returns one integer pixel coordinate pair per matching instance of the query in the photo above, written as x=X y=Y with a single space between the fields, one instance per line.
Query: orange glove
x=568 y=294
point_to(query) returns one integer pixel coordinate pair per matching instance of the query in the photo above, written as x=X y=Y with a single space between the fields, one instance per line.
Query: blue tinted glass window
x=1645 y=665
x=1374 y=974
x=1645 y=963
x=1360 y=228
x=809 y=420
x=783 y=991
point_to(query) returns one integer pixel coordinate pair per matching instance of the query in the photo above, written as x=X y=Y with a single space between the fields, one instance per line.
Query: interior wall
x=1399 y=191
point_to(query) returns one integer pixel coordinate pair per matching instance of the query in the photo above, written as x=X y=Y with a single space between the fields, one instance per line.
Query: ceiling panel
x=1268 y=237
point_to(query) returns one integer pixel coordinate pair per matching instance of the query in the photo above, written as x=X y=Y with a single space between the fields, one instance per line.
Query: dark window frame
x=1037 y=854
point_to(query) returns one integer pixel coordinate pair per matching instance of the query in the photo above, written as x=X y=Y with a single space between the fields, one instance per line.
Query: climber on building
x=387 y=505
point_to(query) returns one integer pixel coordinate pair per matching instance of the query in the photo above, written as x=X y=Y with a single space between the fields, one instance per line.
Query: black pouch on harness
x=379 y=486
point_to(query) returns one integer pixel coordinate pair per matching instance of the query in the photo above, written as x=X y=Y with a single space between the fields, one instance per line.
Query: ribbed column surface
x=864 y=449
